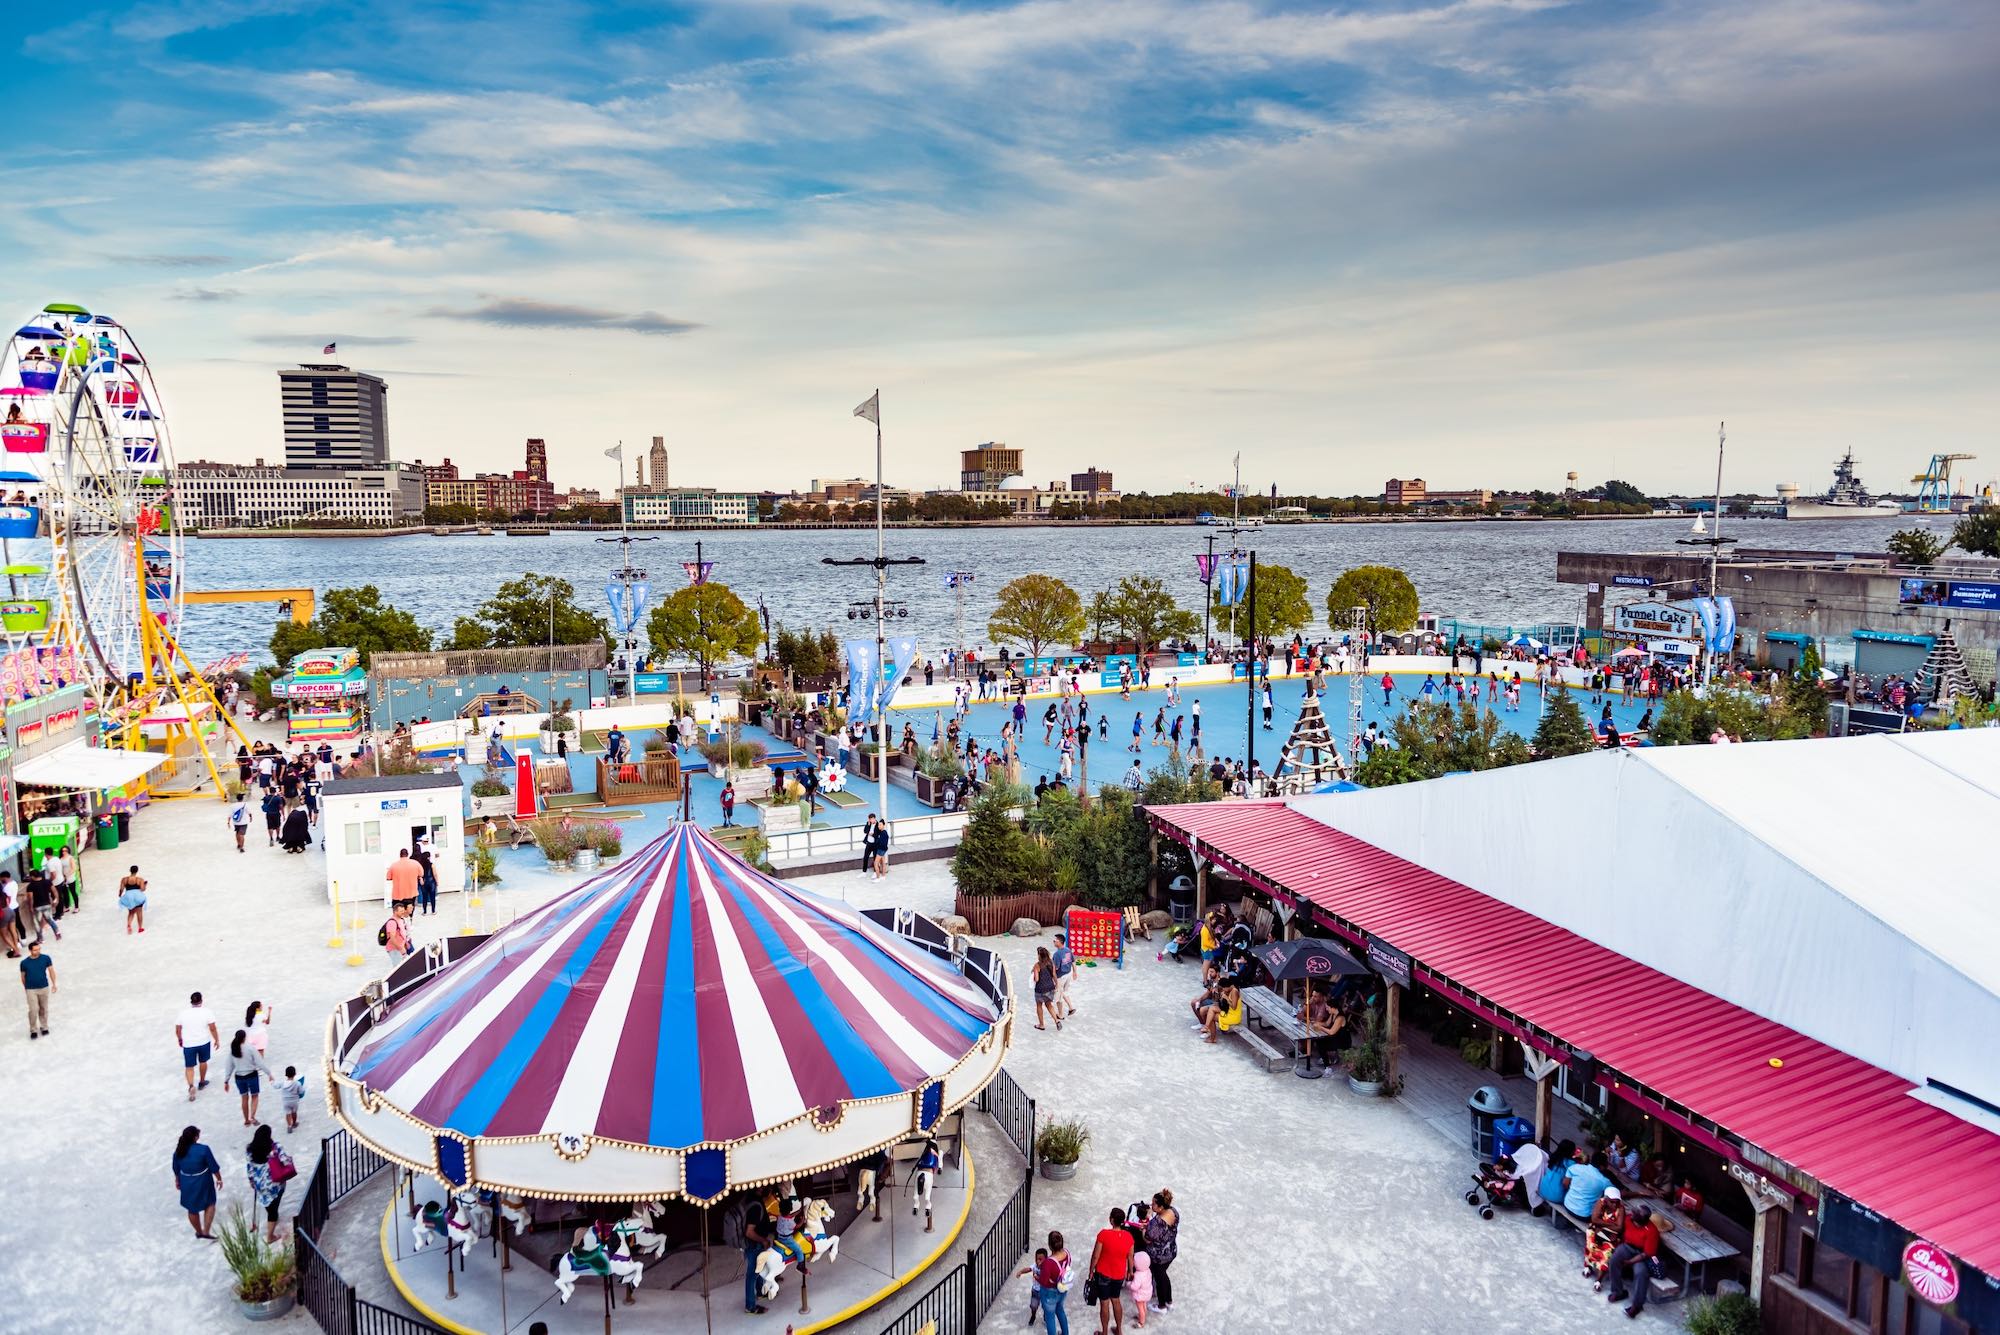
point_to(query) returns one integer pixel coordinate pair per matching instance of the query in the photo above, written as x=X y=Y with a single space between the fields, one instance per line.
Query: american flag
x=327 y=351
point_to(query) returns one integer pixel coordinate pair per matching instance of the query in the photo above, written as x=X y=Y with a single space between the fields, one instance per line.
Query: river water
x=1498 y=573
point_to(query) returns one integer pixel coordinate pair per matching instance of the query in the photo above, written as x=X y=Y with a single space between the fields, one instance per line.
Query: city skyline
x=1485 y=244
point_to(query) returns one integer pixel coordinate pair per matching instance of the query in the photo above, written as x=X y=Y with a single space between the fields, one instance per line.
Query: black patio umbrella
x=1308 y=957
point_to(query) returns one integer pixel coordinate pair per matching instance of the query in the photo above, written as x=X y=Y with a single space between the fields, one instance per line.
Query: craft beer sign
x=1930 y=1273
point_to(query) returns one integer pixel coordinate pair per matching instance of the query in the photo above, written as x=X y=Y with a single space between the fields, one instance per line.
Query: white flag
x=616 y=451
x=872 y=410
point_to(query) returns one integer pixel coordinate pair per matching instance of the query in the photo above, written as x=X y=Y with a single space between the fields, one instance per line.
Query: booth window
x=364 y=836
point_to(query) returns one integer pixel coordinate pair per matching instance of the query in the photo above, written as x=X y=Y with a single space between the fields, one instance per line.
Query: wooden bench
x=1663 y=1289
x=1267 y=1008
x=1266 y=1055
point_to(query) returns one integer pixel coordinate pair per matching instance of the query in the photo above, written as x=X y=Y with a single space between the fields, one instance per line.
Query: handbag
x=282 y=1168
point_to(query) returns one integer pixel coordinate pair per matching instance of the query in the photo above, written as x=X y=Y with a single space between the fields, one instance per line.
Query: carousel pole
x=450 y=1271
x=707 y=1312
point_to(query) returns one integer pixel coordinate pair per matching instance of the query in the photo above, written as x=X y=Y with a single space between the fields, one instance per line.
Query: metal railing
x=1009 y=1105
x=957 y=1303
x=941 y=1311
x=798 y=844
x=344 y=1164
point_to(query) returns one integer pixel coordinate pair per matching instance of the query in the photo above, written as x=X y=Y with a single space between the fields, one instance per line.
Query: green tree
x=1624 y=493
x=1385 y=591
x=531 y=610
x=1099 y=614
x=706 y=622
x=1563 y=731
x=1979 y=532
x=1173 y=782
x=808 y=655
x=994 y=857
x=1805 y=697
x=1037 y=611
x=1284 y=606
x=352 y=619
x=1147 y=615
x=1917 y=547
x=1108 y=849
x=1429 y=740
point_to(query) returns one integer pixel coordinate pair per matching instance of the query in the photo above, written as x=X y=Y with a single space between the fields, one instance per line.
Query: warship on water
x=1847 y=498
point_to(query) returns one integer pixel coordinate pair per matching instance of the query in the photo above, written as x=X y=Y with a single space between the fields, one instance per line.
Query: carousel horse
x=516 y=1211
x=457 y=1222
x=590 y=1256
x=635 y=1231
x=929 y=1164
x=820 y=1245
x=770 y=1269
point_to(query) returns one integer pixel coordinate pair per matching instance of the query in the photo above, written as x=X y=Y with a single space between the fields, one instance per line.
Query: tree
x=707 y=622
x=1563 y=730
x=531 y=610
x=1172 y=782
x=1429 y=740
x=1108 y=848
x=809 y=655
x=1624 y=493
x=1283 y=606
x=353 y=619
x=1147 y=615
x=1917 y=547
x=1385 y=591
x=1979 y=532
x=1099 y=613
x=994 y=857
x=1037 y=610
x=1804 y=696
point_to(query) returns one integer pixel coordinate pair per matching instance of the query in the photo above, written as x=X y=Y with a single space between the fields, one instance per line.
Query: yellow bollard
x=360 y=927
x=336 y=941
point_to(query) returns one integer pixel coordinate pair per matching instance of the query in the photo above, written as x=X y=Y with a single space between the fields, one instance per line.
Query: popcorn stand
x=323 y=695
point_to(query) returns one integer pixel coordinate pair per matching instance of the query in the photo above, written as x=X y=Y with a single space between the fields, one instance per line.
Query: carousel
x=685 y=1088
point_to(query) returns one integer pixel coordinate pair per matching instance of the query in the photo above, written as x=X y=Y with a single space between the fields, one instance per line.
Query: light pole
x=1207 y=600
x=1715 y=542
x=958 y=579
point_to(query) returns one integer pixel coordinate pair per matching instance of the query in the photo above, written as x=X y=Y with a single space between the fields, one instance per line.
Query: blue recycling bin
x=1510 y=1134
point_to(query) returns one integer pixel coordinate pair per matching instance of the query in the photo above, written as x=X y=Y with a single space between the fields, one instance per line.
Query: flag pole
x=881 y=580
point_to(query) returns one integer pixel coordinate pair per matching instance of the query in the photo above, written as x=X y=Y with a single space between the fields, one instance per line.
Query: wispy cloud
x=174 y=261
x=208 y=294
x=520 y=313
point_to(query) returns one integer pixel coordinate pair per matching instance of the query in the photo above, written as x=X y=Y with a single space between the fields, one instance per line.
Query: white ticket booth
x=367 y=820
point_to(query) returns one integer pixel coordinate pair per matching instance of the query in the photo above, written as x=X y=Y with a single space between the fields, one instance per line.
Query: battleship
x=1845 y=499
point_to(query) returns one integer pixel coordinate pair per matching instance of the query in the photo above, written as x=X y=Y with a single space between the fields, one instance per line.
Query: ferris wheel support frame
x=157 y=645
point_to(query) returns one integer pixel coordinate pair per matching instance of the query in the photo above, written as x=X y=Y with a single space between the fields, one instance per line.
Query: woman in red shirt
x=1110 y=1267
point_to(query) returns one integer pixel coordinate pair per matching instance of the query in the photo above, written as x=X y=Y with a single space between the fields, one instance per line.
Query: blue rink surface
x=1223 y=735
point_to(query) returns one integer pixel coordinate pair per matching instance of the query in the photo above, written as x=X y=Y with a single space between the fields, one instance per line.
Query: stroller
x=1509 y=1181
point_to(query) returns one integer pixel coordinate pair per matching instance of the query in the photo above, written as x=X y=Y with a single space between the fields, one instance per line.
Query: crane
x=1934 y=484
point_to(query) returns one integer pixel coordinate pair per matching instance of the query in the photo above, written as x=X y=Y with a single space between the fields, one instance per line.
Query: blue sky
x=1484 y=242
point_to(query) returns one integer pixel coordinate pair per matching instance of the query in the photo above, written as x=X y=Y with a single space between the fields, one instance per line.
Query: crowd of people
x=1131 y=1261
x=286 y=788
x=197 y=1175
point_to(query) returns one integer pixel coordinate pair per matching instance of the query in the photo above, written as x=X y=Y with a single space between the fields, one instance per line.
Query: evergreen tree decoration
x=1563 y=730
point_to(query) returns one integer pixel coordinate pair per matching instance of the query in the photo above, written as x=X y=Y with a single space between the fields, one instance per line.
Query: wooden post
x=1200 y=889
x=506 y=1251
x=1767 y=1234
x=1152 y=868
x=1542 y=1068
x=1495 y=1061
x=1394 y=1025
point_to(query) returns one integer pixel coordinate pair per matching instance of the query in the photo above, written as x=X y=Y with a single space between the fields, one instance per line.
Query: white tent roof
x=1840 y=886
x=82 y=766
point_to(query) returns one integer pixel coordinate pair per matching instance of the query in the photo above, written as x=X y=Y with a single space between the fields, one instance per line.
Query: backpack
x=382 y=935
x=1063 y=1276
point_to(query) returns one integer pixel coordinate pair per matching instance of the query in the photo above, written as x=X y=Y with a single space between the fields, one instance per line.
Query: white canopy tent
x=86 y=768
x=1841 y=886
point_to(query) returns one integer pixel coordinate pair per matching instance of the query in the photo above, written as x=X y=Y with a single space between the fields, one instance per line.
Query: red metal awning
x=1849 y=1125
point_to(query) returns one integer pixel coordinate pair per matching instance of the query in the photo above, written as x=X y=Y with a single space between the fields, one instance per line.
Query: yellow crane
x=296 y=603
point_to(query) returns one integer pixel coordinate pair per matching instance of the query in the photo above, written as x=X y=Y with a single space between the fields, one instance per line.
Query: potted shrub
x=783 y=814
x=1724 y=1314
x=560 y=724
x=485 y=866
x=265 y=1278
x=602 y=840
x=1058 y=1146
x=557 y=844
x=935 y=768
x=1368 y=1061
x=491 y=797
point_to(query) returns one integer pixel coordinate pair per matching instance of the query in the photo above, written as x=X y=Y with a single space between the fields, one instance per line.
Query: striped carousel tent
x=680 y=1025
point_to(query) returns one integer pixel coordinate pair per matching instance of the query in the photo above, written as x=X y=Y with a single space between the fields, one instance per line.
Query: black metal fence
x=941 y=1310
x=344 y=1164
x=989 y=1265
x=1009 y=1105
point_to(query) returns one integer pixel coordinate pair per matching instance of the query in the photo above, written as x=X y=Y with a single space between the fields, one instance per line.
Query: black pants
x=1629 y=1260
x=1163 y=1284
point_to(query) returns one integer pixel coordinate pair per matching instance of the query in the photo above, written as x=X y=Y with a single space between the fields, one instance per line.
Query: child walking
x=1035 y=1283
x=1141 y=1287
x=290 y=1095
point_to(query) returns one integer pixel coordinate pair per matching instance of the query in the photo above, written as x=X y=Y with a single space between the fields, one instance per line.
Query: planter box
x=1370 y=1088
x=585 y=859
x=548 y=739
x=502 y=805
x=868 y=764
x=1058 y=1172
x=783 y=818
x=753 y=711
x=269 y=1310
x=930 y=791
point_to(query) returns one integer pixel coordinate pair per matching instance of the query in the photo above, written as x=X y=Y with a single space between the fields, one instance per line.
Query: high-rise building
x=334 y=417
x=657 y=457
x=986 y=467
x=1404 y=491
x=1091 y=480
x=538 y=459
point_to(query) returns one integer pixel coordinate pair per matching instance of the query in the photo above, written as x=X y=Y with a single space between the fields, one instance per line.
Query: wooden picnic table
x=1265 y=1007
x=1691 y=1244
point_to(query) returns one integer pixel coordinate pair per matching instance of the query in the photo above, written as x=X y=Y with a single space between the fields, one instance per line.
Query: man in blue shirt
x=38 y=980
x=1587 y=1182
x=1065 y=963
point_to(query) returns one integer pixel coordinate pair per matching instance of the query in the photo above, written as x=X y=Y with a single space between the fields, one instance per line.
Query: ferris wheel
x=90 y=553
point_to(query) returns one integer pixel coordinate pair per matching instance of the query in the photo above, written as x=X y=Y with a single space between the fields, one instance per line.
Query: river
x=1499 y=573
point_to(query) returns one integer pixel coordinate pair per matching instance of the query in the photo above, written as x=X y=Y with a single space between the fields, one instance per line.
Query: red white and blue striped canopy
x=680 y=998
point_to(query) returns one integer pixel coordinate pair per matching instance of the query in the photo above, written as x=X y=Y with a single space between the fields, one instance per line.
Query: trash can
x=1180 y=900
x=124 y=826
x=1510 y=1134
x=1488 y=1106
x=107 y=832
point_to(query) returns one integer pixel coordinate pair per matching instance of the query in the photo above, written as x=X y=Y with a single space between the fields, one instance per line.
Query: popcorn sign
x=1930 y=1272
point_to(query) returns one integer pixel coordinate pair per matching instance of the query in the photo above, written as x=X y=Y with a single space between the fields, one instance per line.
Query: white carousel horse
x=820 y=1245
x=770 y=1268
x=869 y=1187
x=929 y=1164
x=636 y=1231
x=590 y=1257
x=457 y=1221
x=517 y=1211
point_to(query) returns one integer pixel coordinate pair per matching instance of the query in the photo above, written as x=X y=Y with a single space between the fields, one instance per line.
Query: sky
x=1484 y=242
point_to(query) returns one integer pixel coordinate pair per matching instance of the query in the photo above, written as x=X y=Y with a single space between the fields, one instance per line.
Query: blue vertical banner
x=902 y=653
x=864 y=675
x=641 y=593
x=1725 y=626
x=1704 y=608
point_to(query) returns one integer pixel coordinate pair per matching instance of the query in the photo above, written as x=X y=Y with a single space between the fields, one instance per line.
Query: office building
x=688 y=505
x=1094 y=481
x=1404 y=491
x=987 y=467
x=444 y=472
x=218 y=495
x=334 y=417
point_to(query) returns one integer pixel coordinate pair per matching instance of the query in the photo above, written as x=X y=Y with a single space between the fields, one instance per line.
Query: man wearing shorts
x=195 y=1032
x=1065 y=962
